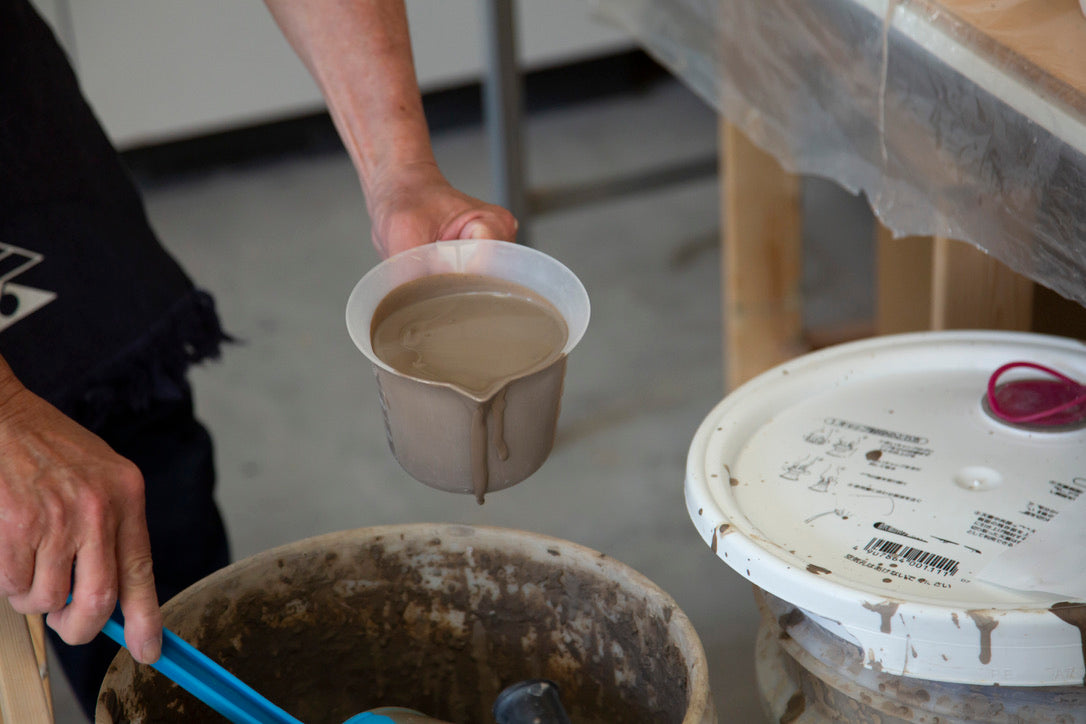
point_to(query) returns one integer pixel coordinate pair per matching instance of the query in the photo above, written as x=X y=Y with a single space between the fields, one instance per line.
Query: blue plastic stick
x=215 y=686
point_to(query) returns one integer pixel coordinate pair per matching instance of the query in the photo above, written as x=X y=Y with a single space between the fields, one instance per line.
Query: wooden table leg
x=971 y=289
x=922 y=282
x=937 y=283
x=903 y=282
x=24 y=680
x=761 y=260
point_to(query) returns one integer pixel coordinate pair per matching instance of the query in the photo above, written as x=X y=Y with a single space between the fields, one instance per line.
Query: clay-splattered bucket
x=439 y=618
x=912 y=528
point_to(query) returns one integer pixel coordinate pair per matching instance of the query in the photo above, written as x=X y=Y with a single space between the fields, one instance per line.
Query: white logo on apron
x=16 y=300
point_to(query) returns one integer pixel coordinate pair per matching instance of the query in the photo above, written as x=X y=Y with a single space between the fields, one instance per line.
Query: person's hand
x=68 y=501
x=417 y=205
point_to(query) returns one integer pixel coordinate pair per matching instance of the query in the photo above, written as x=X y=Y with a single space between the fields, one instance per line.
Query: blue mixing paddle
x=197 y=674
x=528 y=701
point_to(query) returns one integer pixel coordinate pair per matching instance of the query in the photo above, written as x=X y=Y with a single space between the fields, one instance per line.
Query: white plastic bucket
x=869 y=494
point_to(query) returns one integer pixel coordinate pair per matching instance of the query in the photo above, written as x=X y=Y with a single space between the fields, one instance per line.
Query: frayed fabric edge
x=155 y=367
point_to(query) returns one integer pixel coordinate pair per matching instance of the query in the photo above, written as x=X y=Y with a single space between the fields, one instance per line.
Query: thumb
x=477 y=229
x=488 y=222
x=497 y=224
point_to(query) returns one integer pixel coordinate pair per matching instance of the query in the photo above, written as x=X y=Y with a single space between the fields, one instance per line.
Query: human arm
x=360 y=55
x=68 y=501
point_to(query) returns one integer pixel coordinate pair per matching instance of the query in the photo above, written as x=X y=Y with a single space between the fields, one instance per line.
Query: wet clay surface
x=438 y=631
x=471 y=331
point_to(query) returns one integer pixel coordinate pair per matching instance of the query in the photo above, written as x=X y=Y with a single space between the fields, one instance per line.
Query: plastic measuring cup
x=429 y=423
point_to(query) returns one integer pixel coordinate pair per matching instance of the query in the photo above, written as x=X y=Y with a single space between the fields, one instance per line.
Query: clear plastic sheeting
x=948 y=116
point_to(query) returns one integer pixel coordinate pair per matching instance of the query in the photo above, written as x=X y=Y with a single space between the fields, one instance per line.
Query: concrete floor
x=293 y=407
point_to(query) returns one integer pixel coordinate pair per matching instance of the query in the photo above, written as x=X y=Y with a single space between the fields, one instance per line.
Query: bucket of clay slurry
x=916 y=555
x=436 y=618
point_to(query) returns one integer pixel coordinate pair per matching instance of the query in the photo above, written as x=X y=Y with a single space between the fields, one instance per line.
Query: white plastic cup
x=429 y=423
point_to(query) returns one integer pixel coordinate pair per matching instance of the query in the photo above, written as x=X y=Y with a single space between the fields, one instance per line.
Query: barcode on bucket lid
x=913 y=556
x=870 y=476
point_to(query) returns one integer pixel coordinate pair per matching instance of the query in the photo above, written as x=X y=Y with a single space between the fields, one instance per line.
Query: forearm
x=359 y=52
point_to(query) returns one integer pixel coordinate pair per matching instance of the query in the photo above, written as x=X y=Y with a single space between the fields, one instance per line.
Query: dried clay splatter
x=720 y=531
x=797 y=704
x=886 y=610
x=985 y=624
x=1074 y=614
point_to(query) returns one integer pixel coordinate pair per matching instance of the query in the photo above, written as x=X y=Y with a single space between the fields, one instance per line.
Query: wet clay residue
x=797 y=704
x=812 y=568
x=985 y=624
x=424 y=627
x=471 y=331
x=722 y=530
x=1074 y=614
x=487 y=416
x=886 y=610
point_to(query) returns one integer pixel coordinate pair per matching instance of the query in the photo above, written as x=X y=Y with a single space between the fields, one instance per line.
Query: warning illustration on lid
x=839 y=439
x=910 y=482
x=870 y=487
x=799 y=468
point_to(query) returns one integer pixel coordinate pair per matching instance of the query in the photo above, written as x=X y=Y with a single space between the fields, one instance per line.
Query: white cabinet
x=161 y=69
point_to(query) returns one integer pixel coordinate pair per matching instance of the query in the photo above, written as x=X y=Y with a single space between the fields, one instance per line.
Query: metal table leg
x=502 y=110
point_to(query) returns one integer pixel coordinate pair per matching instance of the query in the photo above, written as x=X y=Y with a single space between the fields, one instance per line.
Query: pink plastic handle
x=1071 y=386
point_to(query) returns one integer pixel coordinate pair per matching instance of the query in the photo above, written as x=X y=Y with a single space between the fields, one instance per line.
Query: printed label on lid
x=907 y=484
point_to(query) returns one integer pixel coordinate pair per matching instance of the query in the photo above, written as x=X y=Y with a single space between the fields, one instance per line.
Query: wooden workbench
x=959 y=119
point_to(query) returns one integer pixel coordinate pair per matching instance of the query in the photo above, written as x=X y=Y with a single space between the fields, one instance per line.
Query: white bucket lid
x=867 y=485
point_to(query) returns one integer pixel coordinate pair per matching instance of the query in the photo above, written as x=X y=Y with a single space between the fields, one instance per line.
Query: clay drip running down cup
x=468 y=340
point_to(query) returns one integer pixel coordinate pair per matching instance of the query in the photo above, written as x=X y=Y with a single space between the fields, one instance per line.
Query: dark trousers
x=188 y=540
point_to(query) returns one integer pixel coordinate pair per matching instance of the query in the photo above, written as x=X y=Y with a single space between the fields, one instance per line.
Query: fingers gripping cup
x=468 y=340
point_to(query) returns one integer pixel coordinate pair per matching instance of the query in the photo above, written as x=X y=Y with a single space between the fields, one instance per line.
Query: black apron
x=94 y=313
